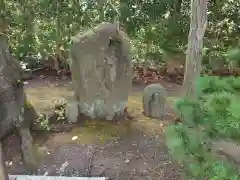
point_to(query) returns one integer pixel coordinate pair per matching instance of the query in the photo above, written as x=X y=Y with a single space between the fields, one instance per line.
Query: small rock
x=127 y=161
x=42 y=77
x=8 y=163
x=137 y=157
x=74 y=138
x=63 y=167
x=144 y=172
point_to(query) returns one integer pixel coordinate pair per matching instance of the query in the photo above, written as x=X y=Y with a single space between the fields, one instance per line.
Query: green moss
x=100 y=132
x=27 y=105
x=96 y=131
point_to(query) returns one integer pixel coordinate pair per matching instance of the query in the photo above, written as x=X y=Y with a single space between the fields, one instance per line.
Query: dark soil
x=134 y=155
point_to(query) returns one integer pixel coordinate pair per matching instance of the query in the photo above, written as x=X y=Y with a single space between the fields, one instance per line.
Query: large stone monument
x=101 y=66
x=154 y=99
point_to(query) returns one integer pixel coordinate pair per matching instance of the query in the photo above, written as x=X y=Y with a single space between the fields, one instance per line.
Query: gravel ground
x=134 y=156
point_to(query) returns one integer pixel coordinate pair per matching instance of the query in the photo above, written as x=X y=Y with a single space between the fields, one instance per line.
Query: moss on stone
x=27 y=104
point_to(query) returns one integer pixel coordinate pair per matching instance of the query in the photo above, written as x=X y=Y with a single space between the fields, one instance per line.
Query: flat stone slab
x=27 y=177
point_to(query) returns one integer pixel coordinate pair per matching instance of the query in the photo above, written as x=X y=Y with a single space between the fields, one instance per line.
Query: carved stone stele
x=154 y=99
x=101 y=66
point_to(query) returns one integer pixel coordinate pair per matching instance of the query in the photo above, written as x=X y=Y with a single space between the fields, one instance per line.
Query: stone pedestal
x=26 y=177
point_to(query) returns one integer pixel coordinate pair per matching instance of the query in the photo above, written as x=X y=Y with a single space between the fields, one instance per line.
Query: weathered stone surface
x=30 y=114
x=3 y=170
x=100 y=62
x=71 y=111
x=12 y=98
x=154 y=99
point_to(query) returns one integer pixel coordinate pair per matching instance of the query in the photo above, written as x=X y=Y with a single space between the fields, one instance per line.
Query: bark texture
x=195 y=44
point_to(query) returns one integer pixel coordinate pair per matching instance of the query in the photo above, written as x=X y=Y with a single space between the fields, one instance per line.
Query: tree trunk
x=178 y=6
x=146 y=60
x=176 y=9
x=58 y=39
x=29 y=16
x=101 y=10
x=195 y=44
x=3 y=22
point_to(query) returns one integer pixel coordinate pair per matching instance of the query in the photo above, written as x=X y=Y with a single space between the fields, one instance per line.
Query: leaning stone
x=154 y=99
x=72 y=111
x=101 y=66
x=16 y=112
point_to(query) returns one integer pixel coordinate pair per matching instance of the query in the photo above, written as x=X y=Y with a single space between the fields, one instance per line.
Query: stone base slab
x=27 y=177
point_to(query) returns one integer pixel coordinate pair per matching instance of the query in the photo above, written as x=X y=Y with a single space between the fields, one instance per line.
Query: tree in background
x=158 y=28
x=195 y=45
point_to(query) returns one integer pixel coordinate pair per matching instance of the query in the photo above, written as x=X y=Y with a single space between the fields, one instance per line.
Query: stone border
x=27 y=177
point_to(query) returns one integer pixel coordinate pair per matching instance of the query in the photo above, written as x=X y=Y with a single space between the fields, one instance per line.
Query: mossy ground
x=97 y=131
x=139 y=141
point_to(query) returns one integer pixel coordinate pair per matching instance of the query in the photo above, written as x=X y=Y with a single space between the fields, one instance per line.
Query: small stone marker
x=26 y=177
x=101 y=67
x=154 y=99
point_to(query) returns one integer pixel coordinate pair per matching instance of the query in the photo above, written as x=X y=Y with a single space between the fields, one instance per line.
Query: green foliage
x=46 y=123
x=213 y=84
x=190 y=111
x=234 y=55
x=42 y=123
x=41 y=26
x=223 y=115
x=215 y=113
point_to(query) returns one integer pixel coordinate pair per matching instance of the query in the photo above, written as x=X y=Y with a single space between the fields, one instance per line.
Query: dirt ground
x=133 y=150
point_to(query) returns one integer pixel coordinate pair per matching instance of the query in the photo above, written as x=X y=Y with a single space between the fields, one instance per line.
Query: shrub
x=215 y=113
x=234 y=55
